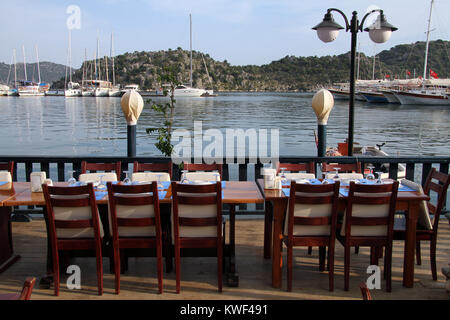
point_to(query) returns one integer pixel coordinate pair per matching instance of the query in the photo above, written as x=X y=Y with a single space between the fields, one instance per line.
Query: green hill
x=287 y=74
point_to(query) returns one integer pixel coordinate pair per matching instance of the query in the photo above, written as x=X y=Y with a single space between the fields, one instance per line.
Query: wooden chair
x=343 y=167
x=8 y=166
x=27 y=289
x=369 y=221
x=157 y=167
x=309 y=167
x=135 y=223
x=196 y=222
x=204 y=167
x=74 y=224
x=111 y=167
x=312 y=218
x=365 y=292
x=440 y=188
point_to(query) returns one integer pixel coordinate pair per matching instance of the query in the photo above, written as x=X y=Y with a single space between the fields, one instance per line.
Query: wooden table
x=406 y=200
x=7 y=256
x=234 y=193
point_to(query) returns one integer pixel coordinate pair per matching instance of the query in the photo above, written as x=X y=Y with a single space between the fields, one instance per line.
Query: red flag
x=409 y=73
x=387 y=76
x=433 y=74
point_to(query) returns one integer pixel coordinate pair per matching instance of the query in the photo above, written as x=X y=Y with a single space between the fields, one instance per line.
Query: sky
x=243 y=32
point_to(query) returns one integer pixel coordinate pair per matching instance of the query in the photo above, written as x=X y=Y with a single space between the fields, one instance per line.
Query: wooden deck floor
x=198 y=278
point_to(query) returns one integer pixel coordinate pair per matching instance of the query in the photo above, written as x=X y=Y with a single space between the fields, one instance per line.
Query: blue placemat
x=100 y=195
x=343 y=191
x=286 y=191
x=402 y=187
x=162 y=194
x=3 y=182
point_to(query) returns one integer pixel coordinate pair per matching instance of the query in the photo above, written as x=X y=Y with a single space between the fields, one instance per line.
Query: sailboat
x=115 y=89
x=189 y=90
x=29 y=88
x=424 y=96
x=87 y=86
x=73 y=88
x=13 y=92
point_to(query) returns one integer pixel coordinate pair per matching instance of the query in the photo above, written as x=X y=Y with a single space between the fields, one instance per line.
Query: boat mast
x=112 y=57
x=359 y=59
x=190 y=23
x=15 y=69
x=204 y=62
x=24 y=63
x=99 y=62
x=39 y=70
x=70 y=56
x=428 y=40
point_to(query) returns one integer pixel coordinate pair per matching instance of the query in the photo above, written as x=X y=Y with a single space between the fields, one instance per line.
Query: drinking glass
x=379 y=177
x=127 y=179
x=101 y=184
x=284 y=180
x=184 y=177
x=72 y=180
x=370 y=175
x=336 y=176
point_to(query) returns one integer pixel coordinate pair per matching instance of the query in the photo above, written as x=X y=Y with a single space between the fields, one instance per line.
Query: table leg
x=279 y=207
x=7 y=256
x=268 y=216
x=410 y=244
x=231 y=268
x=46 y=281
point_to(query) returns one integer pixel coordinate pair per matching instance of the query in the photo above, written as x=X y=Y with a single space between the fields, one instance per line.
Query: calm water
x=96 y=127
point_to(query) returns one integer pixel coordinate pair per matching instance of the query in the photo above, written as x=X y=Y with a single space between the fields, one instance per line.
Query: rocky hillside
x=50 y=72
x=287 y=74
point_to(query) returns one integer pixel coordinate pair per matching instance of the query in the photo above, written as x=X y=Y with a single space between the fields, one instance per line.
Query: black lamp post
x=379 y=32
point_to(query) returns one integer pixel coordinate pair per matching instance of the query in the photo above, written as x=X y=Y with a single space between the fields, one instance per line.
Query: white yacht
x=115 y=91
x=423 y=97
x=101 y=88
x=4 y=90
x=130 y=87
x=186 y=91
x=73 y=90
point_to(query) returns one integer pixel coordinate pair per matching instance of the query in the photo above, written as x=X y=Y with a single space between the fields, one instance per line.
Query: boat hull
x=375 y=98
x=390 y=96
x=101 y=92
x=422 y=99
x=72 y=93
x=115 y=93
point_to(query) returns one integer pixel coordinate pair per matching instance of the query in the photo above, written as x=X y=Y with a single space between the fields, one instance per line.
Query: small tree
x=167 y=110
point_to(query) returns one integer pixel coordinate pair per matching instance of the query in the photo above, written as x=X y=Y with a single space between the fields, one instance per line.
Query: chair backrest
x=27 y=288
x=93 y=177
x=112 y=167
x=312 y=210
x=370 y=210
x=204 y=167
x=343 y=167
x=72 y=212
x=365 y=291
x=440 y=188
x=8 y=166
x=150 y=176
x=134 y=210
x=197 y=210
x=344 y=175
x=308 y=167
x=156 y=167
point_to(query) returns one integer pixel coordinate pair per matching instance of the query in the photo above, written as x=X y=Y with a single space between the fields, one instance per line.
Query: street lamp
x=379 y=32
x=322 y=103
x=132 y=105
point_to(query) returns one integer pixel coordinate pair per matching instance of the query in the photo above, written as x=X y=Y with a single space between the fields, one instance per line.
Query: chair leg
x=346 y=268
x=100 y=273
x=433 y=259
x=219 y=265
x=331 y=267
x=177 y=267
x=322 y=252
x=159 y=261
x=56 y=273
x=388 y=267
x=289 y=266
x=117 y=269
x=309 y=251
x=356 y=249
x=418 y=254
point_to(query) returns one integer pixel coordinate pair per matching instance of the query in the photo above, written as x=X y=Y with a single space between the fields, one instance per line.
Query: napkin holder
x=269 y=178
x=37 y=179
x=5 y=176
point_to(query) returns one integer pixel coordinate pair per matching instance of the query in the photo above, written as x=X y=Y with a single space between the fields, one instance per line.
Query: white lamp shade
x=380 y=35
x=322 y=103
x=327 y=34
x=132 y=105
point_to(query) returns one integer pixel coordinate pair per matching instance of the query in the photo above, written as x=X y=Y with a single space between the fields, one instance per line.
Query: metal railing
x=57 y=168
